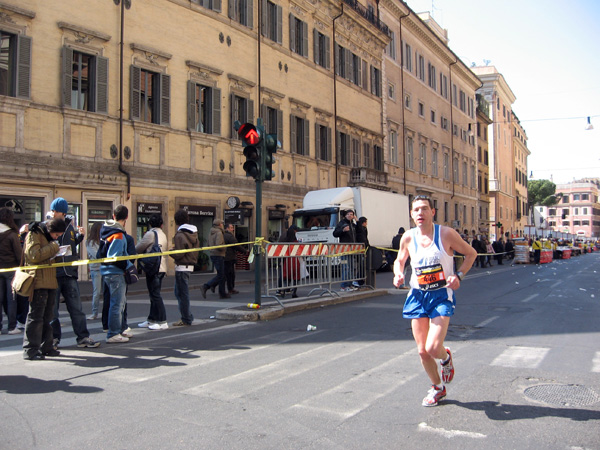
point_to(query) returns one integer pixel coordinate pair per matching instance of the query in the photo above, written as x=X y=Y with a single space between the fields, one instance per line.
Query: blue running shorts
x=428 y=304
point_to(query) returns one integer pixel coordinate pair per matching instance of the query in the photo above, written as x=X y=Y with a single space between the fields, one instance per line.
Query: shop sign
x=149 y=208
x=200 y=211
x=276 y=214
x=235 y=216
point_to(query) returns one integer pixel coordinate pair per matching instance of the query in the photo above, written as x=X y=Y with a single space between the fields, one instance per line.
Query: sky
x=549 y=54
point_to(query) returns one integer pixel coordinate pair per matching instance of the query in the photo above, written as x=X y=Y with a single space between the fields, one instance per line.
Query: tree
x=542 y=192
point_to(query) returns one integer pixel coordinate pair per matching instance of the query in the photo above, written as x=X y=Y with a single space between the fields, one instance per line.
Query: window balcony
x=363 y=176
x=371 y=16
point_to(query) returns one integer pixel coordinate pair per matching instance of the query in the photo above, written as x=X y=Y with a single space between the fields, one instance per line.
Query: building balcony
x=365 y=177
x=371 y=16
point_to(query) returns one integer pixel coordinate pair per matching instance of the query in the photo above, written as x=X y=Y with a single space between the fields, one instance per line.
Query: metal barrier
x=289 y=266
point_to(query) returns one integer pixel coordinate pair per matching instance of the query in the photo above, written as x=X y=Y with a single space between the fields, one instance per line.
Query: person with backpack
x=155 y=268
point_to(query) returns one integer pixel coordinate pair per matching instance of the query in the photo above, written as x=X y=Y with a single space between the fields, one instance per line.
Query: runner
x=430 y=302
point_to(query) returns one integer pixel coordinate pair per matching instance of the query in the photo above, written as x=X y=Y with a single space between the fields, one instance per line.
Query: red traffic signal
x=248 y=133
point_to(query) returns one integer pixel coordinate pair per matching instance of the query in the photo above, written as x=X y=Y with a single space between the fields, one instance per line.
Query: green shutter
x=264 y=21
x=250 y=110
x=249 y=14
x=306 y=149
x=292 y=33
x=165 y=99
x=135 y=93
x=317 y=142
x=101 y=91
x=217 y=5
x=67 y=75
x=279 y=24
x=305 y=39
x=191 y=106
x=280 y=126
x=292 y=134
x=23 y=75
x=216 y=111
x=327 y=52
x=316 y=46
x=328 y=144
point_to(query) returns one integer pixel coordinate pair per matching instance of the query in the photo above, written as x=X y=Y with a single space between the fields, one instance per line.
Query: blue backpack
x=151 y=265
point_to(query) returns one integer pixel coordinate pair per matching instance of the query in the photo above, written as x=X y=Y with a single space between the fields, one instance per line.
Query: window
x=407 y=101
x=433 y=117
x=242 y=110
x=585 y=223
x=473 y=178
x=465 y=174
x=355 y=69
x=552 y=212
x=485 y=157
x=342 y=62
x=150 y=96
x=355 y=153
x=576 y=212
x=299 y=136
x=272 y=21
x=421 y=109
x=584 y=212
x=393 y=147
x=434 y=162
x=408 y=57
x=391 y=47
x=585 y=196
x=204 y=108
x=322 y=49
x=409 y=153
x=375 y=81
x=565 y=199
x=444 y=86
x=455 y=170
x=273 y=121
x=576 y=222
x=444 y=123
x=378 y=156
x=15 y=65
x=446 y=166
x=463 y=101
x=565 y=212
x=323 y=142
x=367 y=161
x=85 y=81
x=392 y=91
x=343 y=148
x=423 y=157
x=485 y=185
x=239 y=10
x=576 y=197
x=446 y=213
x=421 y=69
x=432 y=76
x=298 y=36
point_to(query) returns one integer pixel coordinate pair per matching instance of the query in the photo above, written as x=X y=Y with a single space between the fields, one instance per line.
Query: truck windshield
x=308 y=222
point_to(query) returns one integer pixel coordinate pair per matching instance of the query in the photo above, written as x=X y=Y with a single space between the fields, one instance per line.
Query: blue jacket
x=113 y=233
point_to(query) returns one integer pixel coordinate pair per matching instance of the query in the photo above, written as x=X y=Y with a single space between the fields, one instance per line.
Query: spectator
x=479 y=248
x=10 y=256
x=290 y=268
x=157 y=318
x=489 y=249
x=91 y=244
x=40 y=248
x=362 y=236
x=217 y=256
x=230 y=258
x=67 y=279
x=185 y=238
x=498 y=247
x=345 y=231
x=509 y=248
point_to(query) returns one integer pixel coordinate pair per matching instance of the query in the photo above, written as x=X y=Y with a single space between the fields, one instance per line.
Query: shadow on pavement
x=22 y=384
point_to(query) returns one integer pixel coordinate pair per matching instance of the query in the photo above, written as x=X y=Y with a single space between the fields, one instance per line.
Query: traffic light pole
x=257 y=246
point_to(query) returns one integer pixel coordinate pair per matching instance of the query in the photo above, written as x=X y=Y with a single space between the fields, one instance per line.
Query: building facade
x=483 y=165
x=520 y=155
x=578 y=211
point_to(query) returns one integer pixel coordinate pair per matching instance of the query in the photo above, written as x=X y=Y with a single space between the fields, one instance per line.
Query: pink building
x=578 y=212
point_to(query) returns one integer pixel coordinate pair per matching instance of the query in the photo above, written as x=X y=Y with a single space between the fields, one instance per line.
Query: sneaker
x=355 y=284
x=117 y=339
x=145 y=324
x=127 y=330
x=203 y=290
x=88 y=342
x=51 y=353
x=346 y=289
x=181 y=323
x=55 y=343
x=448 y=368
x=15 y=331
x=92 y=317
x=158 y=326
x=434 y=396
x=20 y=326
x=126 y=333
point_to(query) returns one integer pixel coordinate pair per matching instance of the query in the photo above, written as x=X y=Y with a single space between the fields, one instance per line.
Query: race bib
x=430 y=277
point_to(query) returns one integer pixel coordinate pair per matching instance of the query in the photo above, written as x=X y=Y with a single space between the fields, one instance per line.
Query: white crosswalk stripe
x=596 y=363
x=522 y=357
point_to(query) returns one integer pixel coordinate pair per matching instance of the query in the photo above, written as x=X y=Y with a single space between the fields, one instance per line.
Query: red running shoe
x=434 y=396
x=448 y=369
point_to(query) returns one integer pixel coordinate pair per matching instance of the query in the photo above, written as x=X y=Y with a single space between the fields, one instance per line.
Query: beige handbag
x=23 y=280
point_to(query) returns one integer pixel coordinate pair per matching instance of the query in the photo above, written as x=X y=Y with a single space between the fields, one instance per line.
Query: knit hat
x=60 y=205
x=218 y=222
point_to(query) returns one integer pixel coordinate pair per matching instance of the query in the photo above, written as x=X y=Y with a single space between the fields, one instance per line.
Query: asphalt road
x=524 y=338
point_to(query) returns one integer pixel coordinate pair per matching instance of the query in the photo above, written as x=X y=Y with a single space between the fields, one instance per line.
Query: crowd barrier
x=289 y=266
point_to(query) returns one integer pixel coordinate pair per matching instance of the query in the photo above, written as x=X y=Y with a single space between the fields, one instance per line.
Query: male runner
x=430 y=302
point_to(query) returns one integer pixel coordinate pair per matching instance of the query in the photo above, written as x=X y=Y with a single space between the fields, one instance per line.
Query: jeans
x=68 y=287
x=157 y=306
x=116 y=287
x=38 y=332
x=8 y=300
x=106 y=307
x=182 y=293
x=97 y=290
x=230 y=275
x=219 y=279
x=347 y=270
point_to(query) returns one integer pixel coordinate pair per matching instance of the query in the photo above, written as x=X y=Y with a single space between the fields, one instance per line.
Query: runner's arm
x=401 y=261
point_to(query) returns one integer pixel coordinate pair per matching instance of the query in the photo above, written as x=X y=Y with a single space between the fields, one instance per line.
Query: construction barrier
x=289 y=266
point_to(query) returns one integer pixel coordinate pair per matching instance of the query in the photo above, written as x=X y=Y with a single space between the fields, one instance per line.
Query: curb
x=273 y=310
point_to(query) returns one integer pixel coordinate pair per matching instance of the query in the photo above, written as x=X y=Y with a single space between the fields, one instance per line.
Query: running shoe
x=448 y=369
x=434 y=396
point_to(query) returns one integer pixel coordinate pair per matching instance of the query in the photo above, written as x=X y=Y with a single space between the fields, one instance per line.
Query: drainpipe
x=335 y=138
x=121 y=169
x=259 y=54
x=452 y=129
x=402 y=100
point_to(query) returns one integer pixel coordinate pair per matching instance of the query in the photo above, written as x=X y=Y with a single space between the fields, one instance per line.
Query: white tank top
x=431 y=266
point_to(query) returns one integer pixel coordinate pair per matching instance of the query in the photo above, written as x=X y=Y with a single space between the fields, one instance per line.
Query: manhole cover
x=563 y=394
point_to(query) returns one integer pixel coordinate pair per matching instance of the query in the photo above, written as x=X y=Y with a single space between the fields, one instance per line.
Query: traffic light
x=251 y=142
x=271 y=145
x=499 y=225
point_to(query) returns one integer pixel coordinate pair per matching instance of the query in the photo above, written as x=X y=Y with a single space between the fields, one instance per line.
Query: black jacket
x=73 y=238
x=345 y=236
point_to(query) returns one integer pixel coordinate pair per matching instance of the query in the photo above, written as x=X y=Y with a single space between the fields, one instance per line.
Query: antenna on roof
x=487 y=62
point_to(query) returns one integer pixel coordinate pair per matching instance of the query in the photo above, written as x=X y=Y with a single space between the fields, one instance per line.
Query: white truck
x=321 y=211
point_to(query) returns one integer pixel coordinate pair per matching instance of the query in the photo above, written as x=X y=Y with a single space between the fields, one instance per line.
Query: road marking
x=450 y=433
x=486 y=322
x=531 y=297
x=240 y=384
x=558 y=283
x=349 y=398
x=596 y=362
x=523 y=357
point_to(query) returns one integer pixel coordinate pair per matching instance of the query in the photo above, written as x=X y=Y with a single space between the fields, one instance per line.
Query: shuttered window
x=204 y=108
x=85 y=81
x=150 y=96
x=15 y=65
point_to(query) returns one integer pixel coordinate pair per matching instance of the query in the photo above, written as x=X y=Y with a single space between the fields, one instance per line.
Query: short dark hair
x=362 y=220
x=182 y=217
x=423 y=198
x=156 y=220
x=121 y=212
x=56 y=226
